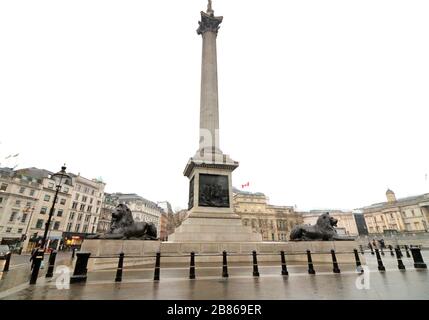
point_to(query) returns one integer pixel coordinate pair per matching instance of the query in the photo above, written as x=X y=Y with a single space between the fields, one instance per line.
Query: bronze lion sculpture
x=324 y=229
x=123 y=226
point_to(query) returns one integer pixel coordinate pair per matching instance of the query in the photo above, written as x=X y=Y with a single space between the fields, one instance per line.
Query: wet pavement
x=137 y=283
x=20 y=268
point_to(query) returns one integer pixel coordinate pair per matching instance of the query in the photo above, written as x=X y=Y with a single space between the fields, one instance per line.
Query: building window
x=82 y=207
x=98 y=202
x=32 y=192
x=43 y=210
x=20 y=230
x=87 y=218
x=63 y=201
x=50 y=185
x=76 y=229
x=39 y=223
x=66 y=190
x=56 y=225
x=1 y=200
x=93 y=229
x=84 y=198
x=28 y=204
x=76 y=197
x=3 y=187
x=21 y=190
x=59 y=213
x=74 y=206
x=85 y=228
x=9 y=229
x=79 y=217
x=71 y=216
x=93 y=192
x=13 y=216
x=89 y=208
x=24 y=217
x=94 y=220
x=69 y=226
x=47 y=197
x=18 y=202
x=96 y=210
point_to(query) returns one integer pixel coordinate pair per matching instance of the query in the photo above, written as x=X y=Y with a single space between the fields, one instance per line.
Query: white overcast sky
x=325 y=104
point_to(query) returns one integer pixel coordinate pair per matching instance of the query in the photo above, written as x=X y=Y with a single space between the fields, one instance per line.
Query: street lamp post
x=59 y=178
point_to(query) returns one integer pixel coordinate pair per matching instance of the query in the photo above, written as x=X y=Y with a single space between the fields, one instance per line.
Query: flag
x=245 y=185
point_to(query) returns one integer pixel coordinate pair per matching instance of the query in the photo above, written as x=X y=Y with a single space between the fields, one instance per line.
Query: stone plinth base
x=178 y=252
x=199 y=228
x=131 y=248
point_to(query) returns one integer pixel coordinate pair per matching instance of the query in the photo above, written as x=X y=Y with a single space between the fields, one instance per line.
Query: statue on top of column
x=209 y=8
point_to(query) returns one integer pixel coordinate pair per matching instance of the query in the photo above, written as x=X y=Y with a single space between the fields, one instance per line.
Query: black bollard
x=391 y=250
x=51 y=263
x=118 y=277
x=379 y=261
x=284 y=267
x=400 y=252
x=192 y=267
x=334 y=262
x=157 y=266
x=418 y=259
x=361 y=249
x=398 y=256
x=7 y=262
x=255 y=264
x=358 y=264
x=36 y=266
x=80 y=269
x=310 y=263
x=224 y=265
x=73 y=253
x=407 y=252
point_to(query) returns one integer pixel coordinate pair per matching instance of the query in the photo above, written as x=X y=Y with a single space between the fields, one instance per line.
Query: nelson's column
x=211 y=214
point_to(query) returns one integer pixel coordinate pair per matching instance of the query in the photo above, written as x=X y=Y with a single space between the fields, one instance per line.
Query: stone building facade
x=26 y=198
x=407 y=215
x=107 y=206
x=169 y=215
x=85 y=207
x=273 y=222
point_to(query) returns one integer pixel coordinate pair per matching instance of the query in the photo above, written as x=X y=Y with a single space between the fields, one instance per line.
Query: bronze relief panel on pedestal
x=213 y=191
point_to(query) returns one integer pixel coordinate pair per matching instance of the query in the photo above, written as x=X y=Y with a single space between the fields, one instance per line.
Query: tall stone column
x=209 y=105
x=211 y=216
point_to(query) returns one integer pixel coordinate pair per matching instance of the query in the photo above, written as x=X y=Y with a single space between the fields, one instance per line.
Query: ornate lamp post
x=60 y=178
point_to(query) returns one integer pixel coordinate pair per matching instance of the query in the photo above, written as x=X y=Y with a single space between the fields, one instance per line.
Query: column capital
x=209 y=23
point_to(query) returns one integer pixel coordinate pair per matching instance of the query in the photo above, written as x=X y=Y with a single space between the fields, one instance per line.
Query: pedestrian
x=382 y=244
x=374 y=244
